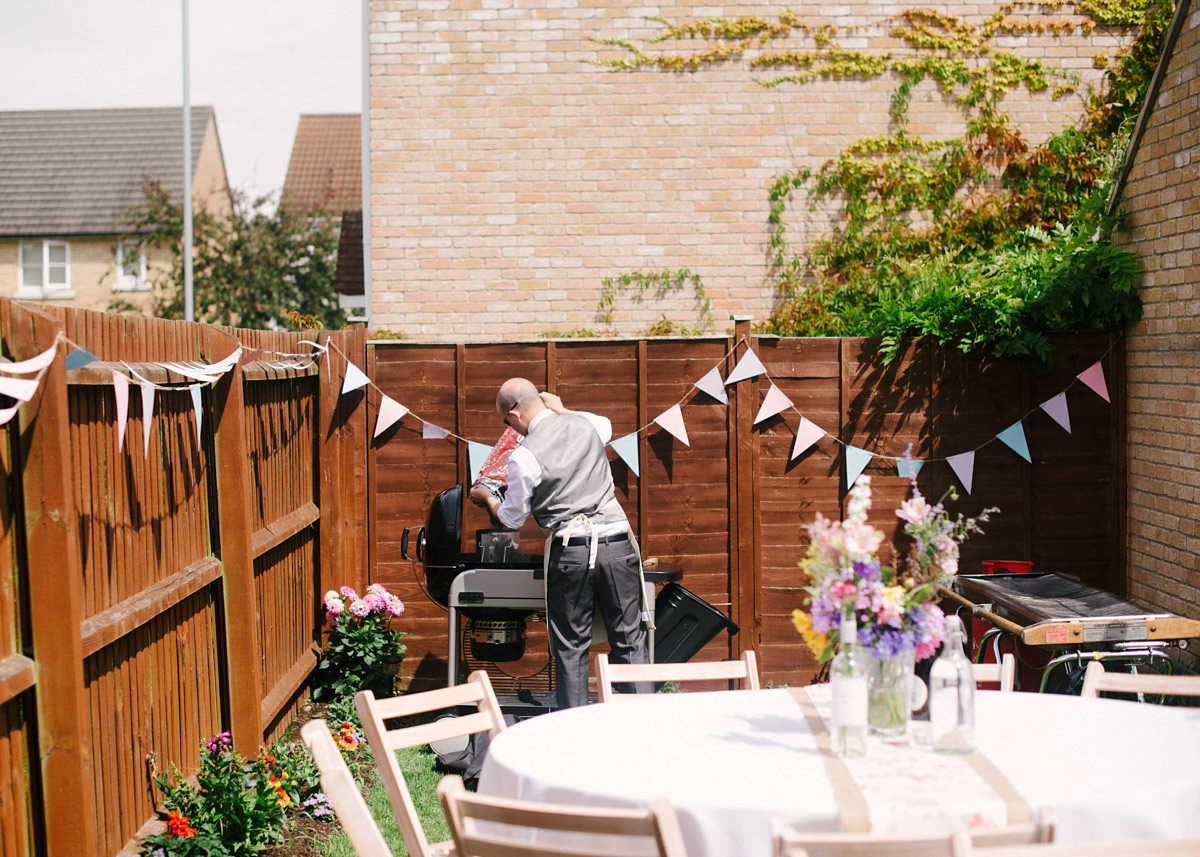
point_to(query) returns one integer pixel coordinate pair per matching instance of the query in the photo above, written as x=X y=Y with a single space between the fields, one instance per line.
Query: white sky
x=258 y=63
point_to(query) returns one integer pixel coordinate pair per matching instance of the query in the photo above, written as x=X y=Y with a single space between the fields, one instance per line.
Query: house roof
x=325 y=170
x=80 y=172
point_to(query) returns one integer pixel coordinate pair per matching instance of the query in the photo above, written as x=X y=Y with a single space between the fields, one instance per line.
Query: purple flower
x=219 y=742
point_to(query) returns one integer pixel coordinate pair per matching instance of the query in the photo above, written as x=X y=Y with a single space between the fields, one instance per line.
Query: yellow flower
x=282 y=797
x=813 y=639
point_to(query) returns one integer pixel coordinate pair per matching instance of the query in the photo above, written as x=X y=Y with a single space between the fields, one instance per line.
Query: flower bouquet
x=361 y=644
x=894 y=609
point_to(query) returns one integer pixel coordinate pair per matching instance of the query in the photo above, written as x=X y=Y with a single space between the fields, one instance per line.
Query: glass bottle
x=952 y=694
x=848 y=684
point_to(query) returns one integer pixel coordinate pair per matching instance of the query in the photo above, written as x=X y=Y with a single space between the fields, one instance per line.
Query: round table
x=732 y=761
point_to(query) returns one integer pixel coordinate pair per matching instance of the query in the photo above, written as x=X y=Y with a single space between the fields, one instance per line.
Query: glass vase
x=889 y=694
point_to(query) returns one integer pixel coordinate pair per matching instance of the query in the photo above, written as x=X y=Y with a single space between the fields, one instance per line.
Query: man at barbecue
x=560 y=474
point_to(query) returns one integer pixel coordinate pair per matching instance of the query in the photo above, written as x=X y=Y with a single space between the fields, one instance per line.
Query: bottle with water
x=848 y=683
x=952 y=695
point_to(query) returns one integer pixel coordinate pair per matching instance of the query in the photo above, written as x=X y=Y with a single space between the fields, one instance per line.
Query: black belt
x=576 y=541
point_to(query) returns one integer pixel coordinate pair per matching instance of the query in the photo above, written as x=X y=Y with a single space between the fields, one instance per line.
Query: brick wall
x=1163 y=350
x=511 y=175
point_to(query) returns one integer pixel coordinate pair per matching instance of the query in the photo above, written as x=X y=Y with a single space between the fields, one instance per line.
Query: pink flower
x=359 y=608
x=395 y=606
x=843 y=590
x=374 y=602
x=377 y=589
x=915 y=510
x=334 y=608
x=348 y=592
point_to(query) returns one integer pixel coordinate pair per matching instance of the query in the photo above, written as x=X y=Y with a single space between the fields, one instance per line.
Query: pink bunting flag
x=18 y=388
x=1093 y=376
x=1057 y=409
x=963 y=466
x=390 y=413
x=33 y=364
x=672 y=420
x=431 y=432
x=121 y=390
x=807 y=433
x=774 y=402
x=6 y=414
x=747 y=367
x=147 y=418
x=711 y=383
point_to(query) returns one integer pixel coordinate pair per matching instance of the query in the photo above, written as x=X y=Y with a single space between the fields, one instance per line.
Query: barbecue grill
x=1067 y=619
x=495 y=588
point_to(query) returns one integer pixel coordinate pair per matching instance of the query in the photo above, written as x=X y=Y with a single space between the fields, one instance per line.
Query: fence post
x=55 y=575
x=743 y=491
x=235 y=522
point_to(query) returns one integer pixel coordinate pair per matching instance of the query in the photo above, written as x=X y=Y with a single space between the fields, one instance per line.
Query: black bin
x=684 y=623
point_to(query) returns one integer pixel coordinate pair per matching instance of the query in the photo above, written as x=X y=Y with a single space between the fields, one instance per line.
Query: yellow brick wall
x=511 y=175
x=1163 y=349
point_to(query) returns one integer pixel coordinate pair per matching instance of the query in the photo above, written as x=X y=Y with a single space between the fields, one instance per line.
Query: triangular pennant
x=390 y=413
x=747 y=367
x=908 y=468
x=249 y=356
x=1093 y=376
x=33 y=364
x=807 y=433
x=147 y=419
x=197 y=409
x=354 y=378
x=477 y=453
x=1014 y=438
x=1057 y=409
x=18 y=388
x=672 y=420
x=6 y=414
x=78 y=359
x=627 y=448
x=856 y=462
x=192 y=372
x=963 y=466
x=774 y=402
x=431 y=432
x=711 y=383
x=121 y=390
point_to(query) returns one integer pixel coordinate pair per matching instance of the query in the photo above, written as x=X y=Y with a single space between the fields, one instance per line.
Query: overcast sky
x=258 y=63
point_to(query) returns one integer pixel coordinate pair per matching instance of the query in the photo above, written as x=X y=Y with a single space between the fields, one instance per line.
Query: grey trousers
x=573 y=594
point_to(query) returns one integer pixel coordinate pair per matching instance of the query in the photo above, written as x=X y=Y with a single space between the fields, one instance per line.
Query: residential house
x=69 y=180
x=324 y=177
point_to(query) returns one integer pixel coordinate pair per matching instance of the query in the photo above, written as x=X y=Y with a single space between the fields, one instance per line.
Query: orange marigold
x=177 y=825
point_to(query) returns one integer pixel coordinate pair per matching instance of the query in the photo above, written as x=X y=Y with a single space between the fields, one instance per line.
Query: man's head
x=518 y=402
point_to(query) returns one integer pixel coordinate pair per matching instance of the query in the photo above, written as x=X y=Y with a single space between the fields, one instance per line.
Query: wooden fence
x=158 y=594
x=730 y=506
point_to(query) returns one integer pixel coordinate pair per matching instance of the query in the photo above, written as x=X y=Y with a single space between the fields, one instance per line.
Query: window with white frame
x=131 y=267
x=45 y=270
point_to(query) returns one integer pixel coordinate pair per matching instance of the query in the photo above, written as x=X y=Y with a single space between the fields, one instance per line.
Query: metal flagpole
x=188 y=314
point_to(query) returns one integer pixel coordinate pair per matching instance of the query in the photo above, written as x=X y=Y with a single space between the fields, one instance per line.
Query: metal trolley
x=1068 y=622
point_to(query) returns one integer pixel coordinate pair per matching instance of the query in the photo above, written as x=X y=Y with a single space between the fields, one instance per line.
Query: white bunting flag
x=121 y=390
x=963 y=466
x=431 y=432
x=390 y=413
x=711 y=383
x=187 y=370
x=807 y=433
x=477 y=453
x=748 y=367
x=627 y=448
x=1014 y=438
x=18 y=388
x=354 y=378
x=773 y=403
x=6 y=414
x=856 y=462
x=908 y=468
x=672 y=420
x=197 y=409
x=1057 y=409
x=147 y=419
x=33 y=364
x=1093 y=376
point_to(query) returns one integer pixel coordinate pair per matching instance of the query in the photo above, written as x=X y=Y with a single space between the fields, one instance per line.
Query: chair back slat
x=743 y=669
x=1096 y=680
x=338 y=784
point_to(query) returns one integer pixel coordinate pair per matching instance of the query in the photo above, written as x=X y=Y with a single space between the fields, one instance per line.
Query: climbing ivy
x=931 y=229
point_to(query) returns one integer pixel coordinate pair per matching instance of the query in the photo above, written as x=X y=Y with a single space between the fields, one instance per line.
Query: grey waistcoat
x=576 y=478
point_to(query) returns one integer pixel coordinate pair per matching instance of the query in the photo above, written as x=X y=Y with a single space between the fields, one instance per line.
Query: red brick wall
x=510 y=175
x=1163 y=350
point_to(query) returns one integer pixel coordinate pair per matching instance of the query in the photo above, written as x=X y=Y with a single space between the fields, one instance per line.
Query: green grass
x=422 y=774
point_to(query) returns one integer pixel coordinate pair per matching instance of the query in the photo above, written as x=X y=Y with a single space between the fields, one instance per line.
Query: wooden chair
x=1095 y=680
x=744 y=669
x=789 y=842
x=1004 y=672
x=594 y=831
x=338 y=784
x=1125 y=848
x=386 y=740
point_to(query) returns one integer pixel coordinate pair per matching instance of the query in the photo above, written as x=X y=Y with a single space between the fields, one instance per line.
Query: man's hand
x=480 y=495
x=553 y=402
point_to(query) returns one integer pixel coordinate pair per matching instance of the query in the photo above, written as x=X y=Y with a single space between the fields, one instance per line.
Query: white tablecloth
x=732 y=761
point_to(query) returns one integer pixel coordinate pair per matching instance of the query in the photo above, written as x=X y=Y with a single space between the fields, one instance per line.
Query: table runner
x=898 y=789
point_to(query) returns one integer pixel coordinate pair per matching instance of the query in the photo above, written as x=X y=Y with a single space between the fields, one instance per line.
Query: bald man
x=560 y=474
